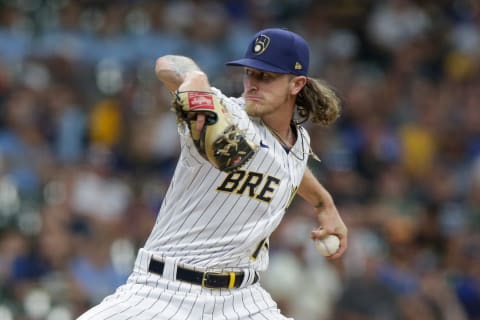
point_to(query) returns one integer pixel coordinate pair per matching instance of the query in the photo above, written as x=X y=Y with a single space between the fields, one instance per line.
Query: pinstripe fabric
x=211 y=220
x=147 y=296
x=167 y=301
x=211 y=228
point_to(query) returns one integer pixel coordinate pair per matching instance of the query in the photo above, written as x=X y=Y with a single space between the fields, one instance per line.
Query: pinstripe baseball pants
x=148 y=296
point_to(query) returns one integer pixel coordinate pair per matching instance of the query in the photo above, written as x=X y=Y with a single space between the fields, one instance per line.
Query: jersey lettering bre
x=219 y=220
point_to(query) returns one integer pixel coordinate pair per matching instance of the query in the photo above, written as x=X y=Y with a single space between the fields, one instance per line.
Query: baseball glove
x=220 y=141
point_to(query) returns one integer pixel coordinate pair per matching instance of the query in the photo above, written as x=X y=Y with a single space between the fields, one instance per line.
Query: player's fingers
x=318 y=233
x=200 y=122
x=321 y=233
x=341 y=249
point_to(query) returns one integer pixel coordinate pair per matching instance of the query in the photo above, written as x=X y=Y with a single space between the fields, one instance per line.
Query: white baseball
x=328 y=245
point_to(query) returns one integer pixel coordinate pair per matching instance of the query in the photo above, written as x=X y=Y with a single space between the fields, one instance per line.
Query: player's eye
x=259 y=75
x=264 y=76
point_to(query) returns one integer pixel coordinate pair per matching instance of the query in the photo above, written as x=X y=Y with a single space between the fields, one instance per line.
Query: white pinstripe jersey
x=216 y=220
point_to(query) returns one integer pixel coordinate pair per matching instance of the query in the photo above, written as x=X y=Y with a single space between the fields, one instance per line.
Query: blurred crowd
x=88 y=145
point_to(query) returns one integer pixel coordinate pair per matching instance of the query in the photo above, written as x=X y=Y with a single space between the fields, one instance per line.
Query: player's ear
x=297 y=83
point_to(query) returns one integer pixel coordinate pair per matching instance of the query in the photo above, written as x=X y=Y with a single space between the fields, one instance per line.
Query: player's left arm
x=328 y=216
x=175 y=71
x=183 y=74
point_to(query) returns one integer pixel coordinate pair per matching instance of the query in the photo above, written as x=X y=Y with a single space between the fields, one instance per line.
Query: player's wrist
x=325 y=202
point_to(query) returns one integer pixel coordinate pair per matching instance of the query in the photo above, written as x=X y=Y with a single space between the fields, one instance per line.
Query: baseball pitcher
x=242 y=161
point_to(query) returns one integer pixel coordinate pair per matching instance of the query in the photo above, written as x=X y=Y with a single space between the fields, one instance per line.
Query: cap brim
x=256 y=64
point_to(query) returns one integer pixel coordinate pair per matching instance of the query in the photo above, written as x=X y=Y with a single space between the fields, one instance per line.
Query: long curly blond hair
x=318 y=103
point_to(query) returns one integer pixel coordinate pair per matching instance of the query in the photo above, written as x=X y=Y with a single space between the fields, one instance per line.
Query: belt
x=211 y=280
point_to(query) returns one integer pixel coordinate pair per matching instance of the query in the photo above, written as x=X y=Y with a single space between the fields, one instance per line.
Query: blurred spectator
x=396 y=23
x=68 y=124
x=64 y=36
x=22 y=140
x=91 y=267
x=16 y=34
x=97 y=192
x=105 y=123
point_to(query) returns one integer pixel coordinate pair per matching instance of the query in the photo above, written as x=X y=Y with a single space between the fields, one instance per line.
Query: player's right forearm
x=173 y=70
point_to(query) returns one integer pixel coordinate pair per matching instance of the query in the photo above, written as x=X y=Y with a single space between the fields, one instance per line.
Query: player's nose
x=249 y=84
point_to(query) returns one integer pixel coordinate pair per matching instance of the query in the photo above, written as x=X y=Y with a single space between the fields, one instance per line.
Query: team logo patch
x=200 y=100
x=261 y=44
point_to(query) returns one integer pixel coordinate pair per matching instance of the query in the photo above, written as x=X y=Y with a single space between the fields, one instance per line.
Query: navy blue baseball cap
x=276 y=50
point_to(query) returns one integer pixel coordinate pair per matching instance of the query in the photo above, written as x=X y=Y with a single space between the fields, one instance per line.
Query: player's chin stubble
x=256 y=109
x=253 y=109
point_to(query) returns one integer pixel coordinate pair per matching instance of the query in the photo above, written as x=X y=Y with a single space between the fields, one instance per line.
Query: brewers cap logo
x=261 y=44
